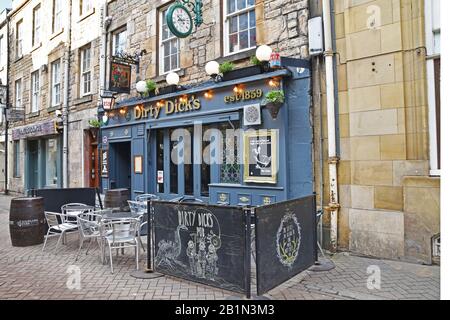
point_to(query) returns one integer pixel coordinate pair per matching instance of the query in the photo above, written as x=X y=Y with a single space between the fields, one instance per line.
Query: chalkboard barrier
x=285 y=241
x=54 y=199
x=202 y=243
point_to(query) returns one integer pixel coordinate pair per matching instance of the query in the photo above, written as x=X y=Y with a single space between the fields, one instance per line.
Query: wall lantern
x=173 y=79
x=141 y=87
x=263 y=54
x=108 y=100
x=212 y=70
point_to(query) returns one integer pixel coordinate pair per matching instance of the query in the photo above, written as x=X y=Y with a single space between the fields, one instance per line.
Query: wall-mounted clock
x=179 y=20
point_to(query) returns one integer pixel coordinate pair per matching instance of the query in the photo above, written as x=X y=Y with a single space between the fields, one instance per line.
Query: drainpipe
x=7 y=104
x=333 y=159
x=104 y=24
x=65 y=112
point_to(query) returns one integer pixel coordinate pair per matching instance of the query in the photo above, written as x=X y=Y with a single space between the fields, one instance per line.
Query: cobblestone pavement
x=27 y=273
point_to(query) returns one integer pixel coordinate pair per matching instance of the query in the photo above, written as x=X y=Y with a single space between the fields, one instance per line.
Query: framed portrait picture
x=261 y=156
x=138 y=160
x=120 y=77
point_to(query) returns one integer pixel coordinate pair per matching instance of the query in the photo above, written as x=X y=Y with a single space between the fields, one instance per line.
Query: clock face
x=179 y=21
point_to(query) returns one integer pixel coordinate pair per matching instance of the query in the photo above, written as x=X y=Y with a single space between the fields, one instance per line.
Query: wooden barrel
x=117 y=199
x=27 y=221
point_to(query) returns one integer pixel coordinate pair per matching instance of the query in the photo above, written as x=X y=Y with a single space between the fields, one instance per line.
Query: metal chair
x=89 y=227
x=72 y=210
x=139 y=208
x=121 y=234
x=146 y=197
x=58 y=225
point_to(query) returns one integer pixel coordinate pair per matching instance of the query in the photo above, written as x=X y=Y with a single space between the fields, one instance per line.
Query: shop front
x=218 y=142
x=43 y=153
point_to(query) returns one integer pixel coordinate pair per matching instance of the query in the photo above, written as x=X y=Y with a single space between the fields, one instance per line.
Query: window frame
x=57 y=14
x=1 y=50
x=16 y=159
x=18 y=94
x=226 y=27
x=85 y=7
x=19 y=39
x=85 y=72
x=116 y=33
x=36 y=36
x=35 y=95
x=433 y=104
x=161 y=42
x=55 y=84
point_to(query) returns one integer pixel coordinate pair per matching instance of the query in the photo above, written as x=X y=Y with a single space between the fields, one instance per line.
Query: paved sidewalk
x=27 y=273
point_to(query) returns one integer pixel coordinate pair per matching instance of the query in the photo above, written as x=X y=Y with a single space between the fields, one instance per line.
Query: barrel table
x=27 y=221
x=117 y=199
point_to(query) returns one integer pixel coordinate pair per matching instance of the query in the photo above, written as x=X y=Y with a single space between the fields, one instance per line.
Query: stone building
x=384 y=201
x=3 y=81
x=387 y=64
x=53 y=76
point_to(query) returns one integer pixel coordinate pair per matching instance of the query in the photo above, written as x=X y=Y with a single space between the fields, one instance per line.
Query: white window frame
x=1 y=50
x=36 y=25
x=85 y=71
x=85 y=7
x=430 y=31
x=57 y=16
x=56 y=83
x=226 y=27
x=35 y=91
x=19 y=39
x=161 y=43
x=18 y=94
x=115 y=35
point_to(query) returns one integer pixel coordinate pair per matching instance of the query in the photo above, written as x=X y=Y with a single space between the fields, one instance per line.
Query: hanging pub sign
x=260 y=156
x=104 y=164
x=120 y=77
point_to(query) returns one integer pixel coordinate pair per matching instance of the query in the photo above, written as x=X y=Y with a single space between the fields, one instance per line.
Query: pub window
x=19 y=39
x=206 y=160
x=16 y=160
x=51 y=162
x=160 y=158
x=85 y=6
x=173 y=164
x=119 y=41
x=85 y=67
x=433 y=44
x=239 y=25
x=169 y=53
x=230 y=169
x=18 y=93
x=35 y=90
x=57 y=16
x=56 y=83
x=37 y=25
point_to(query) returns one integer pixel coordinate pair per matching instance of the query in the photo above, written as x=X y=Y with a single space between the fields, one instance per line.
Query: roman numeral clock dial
x=179 y=21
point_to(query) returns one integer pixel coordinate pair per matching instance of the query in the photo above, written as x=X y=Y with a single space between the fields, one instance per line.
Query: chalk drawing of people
x=211 y=266
x=190 y=251
x=201 y=259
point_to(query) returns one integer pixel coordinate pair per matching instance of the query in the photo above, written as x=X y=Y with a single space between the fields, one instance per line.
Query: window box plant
x=94 y=127
x=273 y=101
x=233 y=74
x=151 y=88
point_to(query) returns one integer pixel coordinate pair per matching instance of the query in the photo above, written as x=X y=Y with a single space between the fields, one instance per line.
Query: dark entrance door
x=32 y=170
x=121 y=165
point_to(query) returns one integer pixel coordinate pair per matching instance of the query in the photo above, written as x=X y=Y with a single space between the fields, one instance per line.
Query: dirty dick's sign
x=169 y=107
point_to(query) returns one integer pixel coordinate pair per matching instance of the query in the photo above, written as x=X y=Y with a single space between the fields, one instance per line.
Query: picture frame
x=138 y=164
x=261 y=156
